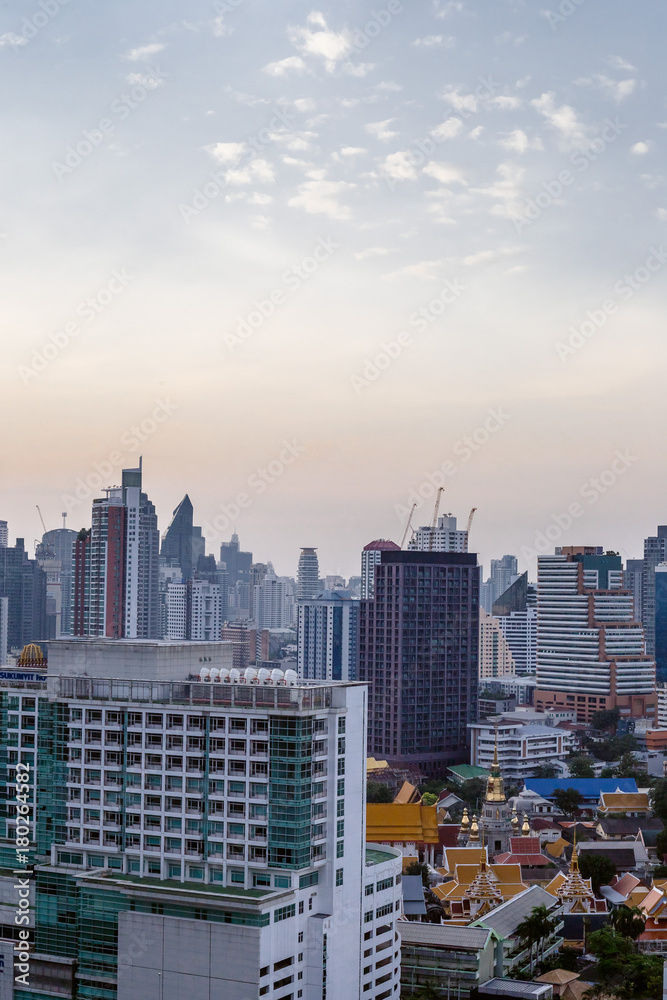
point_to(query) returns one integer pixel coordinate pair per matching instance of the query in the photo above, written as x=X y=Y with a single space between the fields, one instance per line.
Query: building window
x=284 y=912
x=339 y=876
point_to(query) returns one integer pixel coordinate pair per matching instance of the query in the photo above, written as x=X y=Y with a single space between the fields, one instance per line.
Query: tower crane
x=41 y=518
x=407 y=527
x=441 y=490
x=471 y=517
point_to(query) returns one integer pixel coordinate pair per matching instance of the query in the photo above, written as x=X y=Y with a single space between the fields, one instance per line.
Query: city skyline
x=441 y=165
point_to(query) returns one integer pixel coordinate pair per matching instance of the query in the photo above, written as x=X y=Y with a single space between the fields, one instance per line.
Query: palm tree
x=534 y=931
x=628 y=921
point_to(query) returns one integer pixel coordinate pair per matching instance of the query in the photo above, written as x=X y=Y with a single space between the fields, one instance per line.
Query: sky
x=312 y=261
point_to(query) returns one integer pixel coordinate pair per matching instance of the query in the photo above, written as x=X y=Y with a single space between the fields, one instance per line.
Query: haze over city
x=260 y=199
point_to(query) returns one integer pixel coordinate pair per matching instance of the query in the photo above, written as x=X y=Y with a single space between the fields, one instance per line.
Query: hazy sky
x=215 y=217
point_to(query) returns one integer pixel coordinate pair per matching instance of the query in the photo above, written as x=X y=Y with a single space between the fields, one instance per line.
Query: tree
x=547 y=771
x=629 y=922
x=596 y=867
x=661 y=844
x=429 y=798
x=415 y=868
x=534 y=931
x=630 y=767
x=377 y=792
x=568 y=800
x=472 y=792
x=581 y=766
x=659 y=798
x=606 y=720
x=436 y=785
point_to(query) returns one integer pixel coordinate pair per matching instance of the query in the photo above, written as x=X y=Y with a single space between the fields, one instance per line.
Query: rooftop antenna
x=64 y=517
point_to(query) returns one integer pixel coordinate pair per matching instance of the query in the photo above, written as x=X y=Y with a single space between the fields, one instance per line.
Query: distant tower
x=496 y=811
x=370 y=558
x=176 y=548
x=308 y=574
x=4 y=535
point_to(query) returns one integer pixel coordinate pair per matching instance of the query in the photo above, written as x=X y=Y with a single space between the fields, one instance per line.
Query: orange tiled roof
x=556 y=848
x=407 y=793
x=453 y=856
x=399 y=823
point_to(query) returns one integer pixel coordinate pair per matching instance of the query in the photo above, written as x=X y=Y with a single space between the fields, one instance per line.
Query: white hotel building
x=221 y=823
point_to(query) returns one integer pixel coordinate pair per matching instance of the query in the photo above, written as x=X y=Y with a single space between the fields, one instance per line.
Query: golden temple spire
x=465 y=821
x=474 y=831
x=495 y=791
x=525 y=829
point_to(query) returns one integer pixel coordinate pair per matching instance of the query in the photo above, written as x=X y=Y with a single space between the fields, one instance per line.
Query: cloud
x=399 y=166
x=260 y=221
x=320 y=197
x=564 y=120
x=322 y=43
x=505 y=101
x=640 y=149
x=619 y=63
x=10 y=39
x=283 y=66
x=371 y=252
x=226 y=152
x=435 y=42
x=460 y=102
x=443 y=8
x=662 y=214
x=445 y=173
x=518 y=142
x=361 y=69
x=485 y=256
x=381 y=130
x=617 y=89
x=352 y=151
x=144 y=80
x=304 y=104
x=144 y=52
x=426 y=269
x=476 y=132
x=257 y=171
x=220 y=29
x=448 y=129
x=506 y=191
x=388 y=85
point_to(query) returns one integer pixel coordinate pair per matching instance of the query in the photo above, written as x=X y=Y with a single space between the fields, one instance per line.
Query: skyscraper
x=516 y=611
x=308 y=575
x=419 y=653
x=176 y=548
x=120 y=563
x=495 y=655
x=23 y=583
x=56 y=557
x=237 y=563
x=655 y=552
x=271 y=609
x=370 y=558
x=503 y=575
x=328 y=635
x=4 y=535
x=632 y=581
x=591 y=653
x=444 y=537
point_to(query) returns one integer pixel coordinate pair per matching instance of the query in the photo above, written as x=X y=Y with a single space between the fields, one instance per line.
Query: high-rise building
x=23 y=583
x=516 y=610
x=495 y=655
x=177 y=542
x=444 y=537
x=204 y=611
x=271 y=608
x=660 y=627
x=121 y=563
x=195 y=838
x=4 y=535
x=419 y=653
x=328 y=635
x=4 y=626
x=591 y=653
x=655 y=552
x=308 y=575
x=55 y=555
x=370 y=558
x=237 y=563
x=503 y=575
x=632 y=581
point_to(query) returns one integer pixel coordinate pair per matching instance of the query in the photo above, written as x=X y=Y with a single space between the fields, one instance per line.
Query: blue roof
x=590 y=788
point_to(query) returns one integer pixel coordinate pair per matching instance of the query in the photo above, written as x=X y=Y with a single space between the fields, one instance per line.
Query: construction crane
x=41 y=518
x=434 y=520
x=470 y=519
x=407 y=527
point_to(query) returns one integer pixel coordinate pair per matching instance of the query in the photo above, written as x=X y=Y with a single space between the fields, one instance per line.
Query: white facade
x=205 y=611
x=4 y=535
x=521 y=748
x=445 y=537
x=569 y=639
x=520 y=631
x=176 y=599
x=180 y=783
x=4 y=625
x=328 y=630
x=272 y=609
x=662 y=705
x=495 y=655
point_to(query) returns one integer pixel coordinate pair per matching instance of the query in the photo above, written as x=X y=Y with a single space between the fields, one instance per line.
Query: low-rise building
x=505 y=919
x=522 y=749
x=451 y=960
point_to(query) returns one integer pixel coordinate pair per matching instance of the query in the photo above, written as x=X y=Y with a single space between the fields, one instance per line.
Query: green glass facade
x=290 y=792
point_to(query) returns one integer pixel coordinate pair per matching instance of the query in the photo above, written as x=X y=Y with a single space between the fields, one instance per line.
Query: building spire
x=495 y=790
